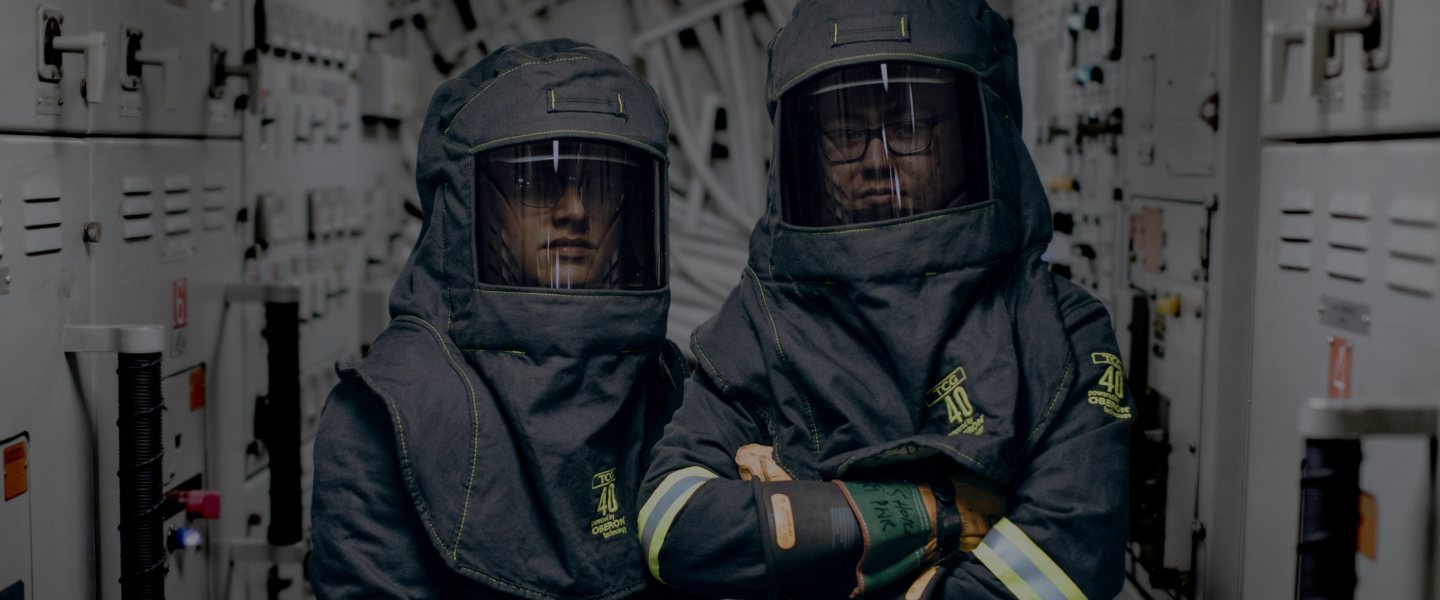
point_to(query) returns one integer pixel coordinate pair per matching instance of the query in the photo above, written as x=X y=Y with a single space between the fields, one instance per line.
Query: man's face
x=563 y=234
x=891 y=153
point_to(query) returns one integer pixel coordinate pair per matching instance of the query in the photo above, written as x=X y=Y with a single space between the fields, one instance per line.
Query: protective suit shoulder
x=430 y=417
x=1075 y=302
x=1099 y=393
x=367 y=536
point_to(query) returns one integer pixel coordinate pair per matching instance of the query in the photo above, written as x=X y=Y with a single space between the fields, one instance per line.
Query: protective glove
x=826 y=540
x=979 y=504
x=837 y=539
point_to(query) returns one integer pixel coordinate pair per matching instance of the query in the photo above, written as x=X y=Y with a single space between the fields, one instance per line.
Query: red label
x=17 y=477
x=197 y=388
x=1341 y=351
x=179 y=303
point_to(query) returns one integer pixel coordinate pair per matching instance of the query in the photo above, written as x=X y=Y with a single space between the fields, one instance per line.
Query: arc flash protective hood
x=852 y=339
x=523 y=416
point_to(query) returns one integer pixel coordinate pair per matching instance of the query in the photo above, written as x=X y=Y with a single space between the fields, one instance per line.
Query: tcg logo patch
x=1112 y=397
x=957 y=404
x=609 y=524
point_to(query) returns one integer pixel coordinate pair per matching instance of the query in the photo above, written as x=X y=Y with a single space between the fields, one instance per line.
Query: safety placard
x=197 y=388
x=17 y=477
x=1341 y=351
x=180 y=303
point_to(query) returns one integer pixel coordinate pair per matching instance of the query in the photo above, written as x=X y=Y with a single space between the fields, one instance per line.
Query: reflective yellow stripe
x=1051 y=570
x=1023 y=567
x=660 y=509
x=1004 y=573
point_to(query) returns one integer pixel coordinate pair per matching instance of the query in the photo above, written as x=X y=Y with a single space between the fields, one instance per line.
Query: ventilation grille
x=41 y=217
x=136 y=206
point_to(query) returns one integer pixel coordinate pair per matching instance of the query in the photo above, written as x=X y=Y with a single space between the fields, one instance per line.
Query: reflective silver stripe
x=662 y=507
x=1023 y=567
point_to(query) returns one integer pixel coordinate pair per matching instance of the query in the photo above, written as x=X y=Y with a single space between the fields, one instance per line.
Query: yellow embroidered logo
x=1112 y=397
x=957 y=404
x=609 y=524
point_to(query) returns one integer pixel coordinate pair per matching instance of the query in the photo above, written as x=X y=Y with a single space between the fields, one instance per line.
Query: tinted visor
x=881 y=141
x=566 y=214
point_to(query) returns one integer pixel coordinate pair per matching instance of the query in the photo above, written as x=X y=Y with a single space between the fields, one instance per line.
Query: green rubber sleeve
x=898 y=527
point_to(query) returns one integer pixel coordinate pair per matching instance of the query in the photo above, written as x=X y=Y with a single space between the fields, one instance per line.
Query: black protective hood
x=850 y=341
x=521 y=415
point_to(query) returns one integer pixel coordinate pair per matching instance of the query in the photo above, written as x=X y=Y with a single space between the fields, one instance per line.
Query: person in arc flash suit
x=920 y=408
x=491 y=443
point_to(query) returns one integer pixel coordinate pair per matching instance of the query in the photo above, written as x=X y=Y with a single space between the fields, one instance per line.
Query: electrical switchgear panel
x=1349 y=68
x=1346 y=305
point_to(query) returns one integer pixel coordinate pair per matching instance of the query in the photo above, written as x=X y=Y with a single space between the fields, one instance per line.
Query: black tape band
x=811 y=537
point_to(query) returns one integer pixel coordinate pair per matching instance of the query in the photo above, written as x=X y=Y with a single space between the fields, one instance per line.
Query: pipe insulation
x=282 y=336
x=1329 y=517
x=142 y=538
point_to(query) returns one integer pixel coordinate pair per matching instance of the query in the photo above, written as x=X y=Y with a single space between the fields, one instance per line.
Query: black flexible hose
x=142 y=539
x=282 y=335
x=1329 y=516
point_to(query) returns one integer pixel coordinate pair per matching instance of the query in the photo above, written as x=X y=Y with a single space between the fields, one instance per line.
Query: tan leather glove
x=981 y=505
x=758 y=462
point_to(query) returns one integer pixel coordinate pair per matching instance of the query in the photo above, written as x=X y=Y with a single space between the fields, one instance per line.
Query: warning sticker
x=197 y=388
x=1340 y=353
x=17 y=478
x=180 y=301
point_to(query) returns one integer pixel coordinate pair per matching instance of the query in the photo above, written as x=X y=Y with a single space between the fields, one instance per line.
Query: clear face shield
x=569 y=214
x=881 y=141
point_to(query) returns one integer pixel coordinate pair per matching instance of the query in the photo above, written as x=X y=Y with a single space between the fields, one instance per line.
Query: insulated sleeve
x=1064 y=538
x=368 y=541
x=699 y=526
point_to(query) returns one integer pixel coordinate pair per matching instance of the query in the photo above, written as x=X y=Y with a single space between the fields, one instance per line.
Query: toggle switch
x=136 y=58
x=1064 y=223
x=51 y=44
x=1091 y=74
x=1092 y=18
x=220 y=72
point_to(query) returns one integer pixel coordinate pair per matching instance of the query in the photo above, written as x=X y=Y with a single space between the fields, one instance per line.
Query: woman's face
x=569 y=214
x=568 y=244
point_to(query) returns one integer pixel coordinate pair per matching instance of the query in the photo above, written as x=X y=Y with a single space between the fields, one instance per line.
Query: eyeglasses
x=907 y=137
x=601 y=186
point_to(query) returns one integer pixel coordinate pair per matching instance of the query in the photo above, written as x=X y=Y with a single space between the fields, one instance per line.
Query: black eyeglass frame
x=928 y=129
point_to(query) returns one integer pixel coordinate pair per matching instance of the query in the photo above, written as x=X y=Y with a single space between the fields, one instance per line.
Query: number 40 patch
x=1113 y=381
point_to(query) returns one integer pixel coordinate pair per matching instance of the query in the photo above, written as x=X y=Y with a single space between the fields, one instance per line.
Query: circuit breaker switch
x=1169 y=305
x=136 y=58
x=51 y=42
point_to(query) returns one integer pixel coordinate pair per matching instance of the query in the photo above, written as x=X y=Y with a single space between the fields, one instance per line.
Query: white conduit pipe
x=723 y=252
x=683 y=22
x=723 y=201
x=742 y=114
